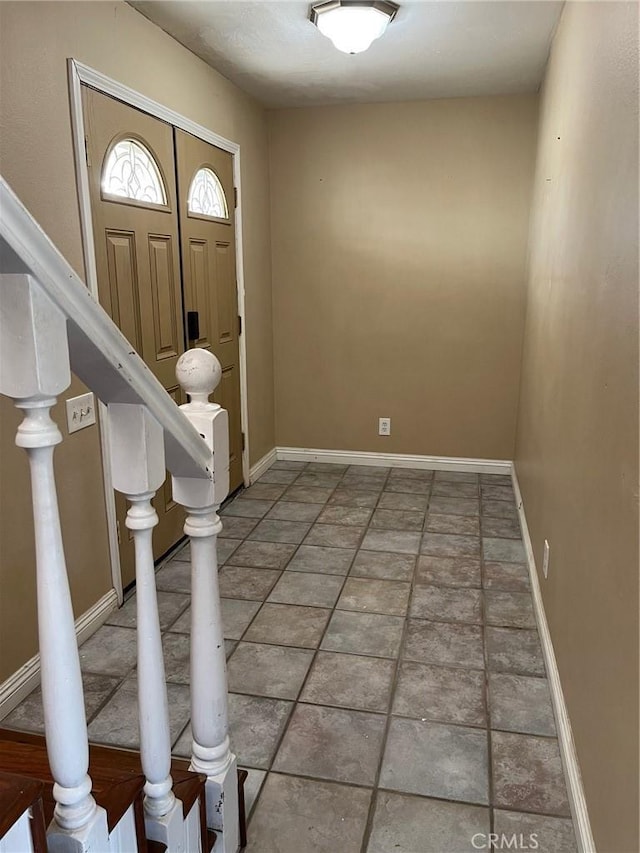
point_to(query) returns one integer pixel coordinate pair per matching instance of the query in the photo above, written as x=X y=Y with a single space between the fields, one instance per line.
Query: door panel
x=138 y=264
x=209 y=278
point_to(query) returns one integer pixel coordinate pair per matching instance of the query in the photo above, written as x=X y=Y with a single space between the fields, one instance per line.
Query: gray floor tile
x=392 y=541
x=331 y=743
x=334 y=536
x=229 y=646
x=327 y=468
x=448 y=571
x=252 y=787
x=226 y=548
x=288 y=465
x=170 y=606
x=506 y=528
x=463 y=525
x=552 y=834
x=329 y=561
x=499 y=509
x=245 y=582
x=436 y=760
x=292 y=511
x=256 y=724
x=444 y=643
x=527 y=774
x=375 y=596
x=376 y=471
x=352 y=497
x=263 y=670
x=352 y=516
x=117 y=723
x=264 y=491
x=110 y=651
x=514 y=650
x=441 y=693
x=288 y=625
x=446 y=604
x=406 y=824
x=448 y=489
x=175 y=648
x=273 y=530
x=408 y=486
x=411 y=474
x=456 y=477
x=174 y=576
x=182 y=553
x=403 y=501
x=364 y=634
x=496 y=479
x=297 y=815
x=497 y=493
x=503 y=550
x=450 y=545
x=29 y=715
x=318 y=481
x=397 y=519
x=377 y=564
x=307 y=494
x=279 y=476
x=454 y=506
x=263 y=555
x=510 y=609
x=508 y=576
x=518 y=703
x=315 y=590
x=236 y=526
x=246 y=508
x=236 y=616
x=350 y=681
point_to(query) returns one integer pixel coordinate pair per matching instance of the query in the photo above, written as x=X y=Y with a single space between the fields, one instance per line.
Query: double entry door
x=162 y=204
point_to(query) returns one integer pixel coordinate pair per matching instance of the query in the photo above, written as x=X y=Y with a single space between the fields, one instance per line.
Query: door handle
x=193 y=325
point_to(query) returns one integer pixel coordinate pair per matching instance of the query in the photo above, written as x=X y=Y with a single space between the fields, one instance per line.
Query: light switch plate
x=81 y=412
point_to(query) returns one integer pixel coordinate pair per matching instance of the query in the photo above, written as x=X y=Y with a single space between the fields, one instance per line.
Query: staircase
x=58 y=793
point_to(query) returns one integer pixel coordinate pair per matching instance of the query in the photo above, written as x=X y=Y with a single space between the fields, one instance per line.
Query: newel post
x=34 y=369
x=199 y=372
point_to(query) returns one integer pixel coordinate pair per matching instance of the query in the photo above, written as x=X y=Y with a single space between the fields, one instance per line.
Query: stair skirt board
x=19 y=836
x=568 y=753
x=262 y=465
x=396 y=460
x=21 y=683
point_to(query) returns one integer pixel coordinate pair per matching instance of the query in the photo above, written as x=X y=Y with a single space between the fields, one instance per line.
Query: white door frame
x=78 y=74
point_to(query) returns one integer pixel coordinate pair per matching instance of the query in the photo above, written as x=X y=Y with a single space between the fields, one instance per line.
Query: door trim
x=78 y=73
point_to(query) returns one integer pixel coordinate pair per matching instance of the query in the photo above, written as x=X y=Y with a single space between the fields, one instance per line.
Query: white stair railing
x=50 y=325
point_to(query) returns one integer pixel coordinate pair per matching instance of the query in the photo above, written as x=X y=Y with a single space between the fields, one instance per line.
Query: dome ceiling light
x=352 y=25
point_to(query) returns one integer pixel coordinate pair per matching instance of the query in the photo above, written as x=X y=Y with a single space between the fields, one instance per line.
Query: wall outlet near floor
x=545 y=559
x=384 y=426
x=81 y=412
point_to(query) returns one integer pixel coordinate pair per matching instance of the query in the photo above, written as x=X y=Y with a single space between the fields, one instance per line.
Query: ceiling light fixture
x=352 y=25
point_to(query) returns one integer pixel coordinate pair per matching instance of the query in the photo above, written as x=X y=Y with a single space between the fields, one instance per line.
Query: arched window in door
x=206 y=196
x=131 y=172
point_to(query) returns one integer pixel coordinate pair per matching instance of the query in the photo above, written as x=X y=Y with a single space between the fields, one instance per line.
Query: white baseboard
x=262 y=465
x=575 y=789
x=397 y=460
x=21 y=683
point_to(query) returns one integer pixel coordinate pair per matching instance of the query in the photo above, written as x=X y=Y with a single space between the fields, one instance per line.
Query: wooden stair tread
x=17 y=794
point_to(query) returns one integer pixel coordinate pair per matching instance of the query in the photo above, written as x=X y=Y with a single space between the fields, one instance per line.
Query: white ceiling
x=440 y=49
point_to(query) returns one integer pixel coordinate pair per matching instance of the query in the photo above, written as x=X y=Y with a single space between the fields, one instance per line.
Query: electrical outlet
x=81 y=412
x=384 y=426
x=545 y=559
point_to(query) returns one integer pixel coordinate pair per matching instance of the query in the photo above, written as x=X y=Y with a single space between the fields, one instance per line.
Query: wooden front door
x=207 y=233
x=131 y=164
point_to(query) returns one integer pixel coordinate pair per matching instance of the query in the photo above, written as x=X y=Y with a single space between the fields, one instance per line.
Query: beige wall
x=577 y=442
x=399 y=245
x=36 y=158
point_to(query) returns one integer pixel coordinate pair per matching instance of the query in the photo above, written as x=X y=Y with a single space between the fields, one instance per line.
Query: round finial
x=199 y=372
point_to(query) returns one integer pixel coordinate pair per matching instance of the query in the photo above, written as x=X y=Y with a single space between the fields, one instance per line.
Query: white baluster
x=199 y=372
x=34 y=361
x=137 y=461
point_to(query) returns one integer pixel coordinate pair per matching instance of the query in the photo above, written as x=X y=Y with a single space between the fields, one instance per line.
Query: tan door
x=131 y=164
x=207 y=232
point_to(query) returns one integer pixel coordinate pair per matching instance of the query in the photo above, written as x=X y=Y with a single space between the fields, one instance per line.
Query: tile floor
x=387 y=686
